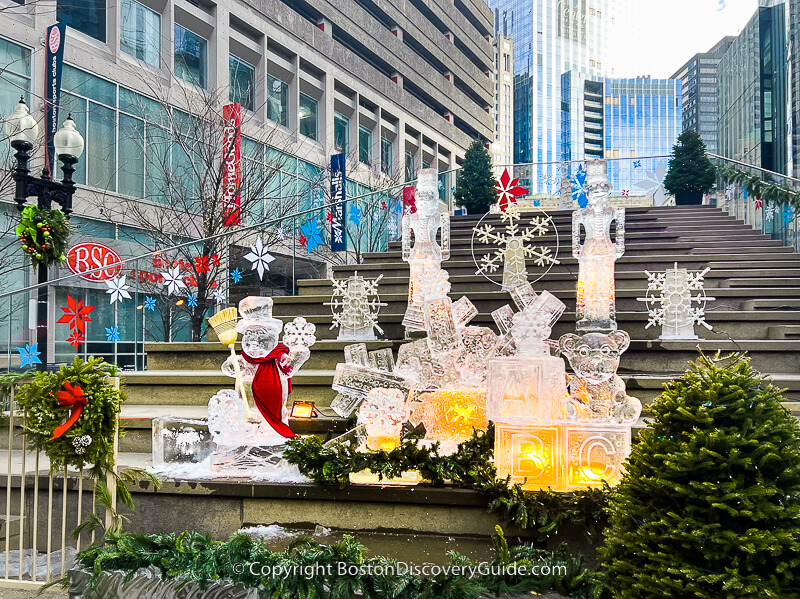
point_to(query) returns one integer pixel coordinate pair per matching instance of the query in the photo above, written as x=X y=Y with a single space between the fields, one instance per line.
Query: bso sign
x=84 y=257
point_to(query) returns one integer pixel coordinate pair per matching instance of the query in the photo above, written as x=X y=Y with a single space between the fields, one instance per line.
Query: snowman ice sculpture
x=427 y=280
x=269 y=365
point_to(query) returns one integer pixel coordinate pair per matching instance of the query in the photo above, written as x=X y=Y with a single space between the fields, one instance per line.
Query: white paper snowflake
x=511 y=245
x=653 y=184
x=676 y=301
x=259 y=257
x=355 y=304
x=770 y=211
x=219 y=296
x=118 y=289
x=173 y=280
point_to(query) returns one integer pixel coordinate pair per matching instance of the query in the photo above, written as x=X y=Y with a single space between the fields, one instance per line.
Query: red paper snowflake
x=302 y=239
x=508 y=191
x=76 y=339
x=329 y=217
x=214 y=259
x=76 y=315
x=201 y=263
x=383 y=205
x=626 y=193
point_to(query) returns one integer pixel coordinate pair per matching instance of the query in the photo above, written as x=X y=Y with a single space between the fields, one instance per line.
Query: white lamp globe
x=21 y=126
x=68 y=139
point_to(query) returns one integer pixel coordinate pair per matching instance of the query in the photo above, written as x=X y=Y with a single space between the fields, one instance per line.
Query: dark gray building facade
x=699 y=83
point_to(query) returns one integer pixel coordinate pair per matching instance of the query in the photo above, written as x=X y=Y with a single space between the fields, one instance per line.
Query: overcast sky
x=667 y=33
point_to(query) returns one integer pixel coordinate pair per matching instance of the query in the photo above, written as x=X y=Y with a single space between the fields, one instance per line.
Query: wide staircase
x=754 y=280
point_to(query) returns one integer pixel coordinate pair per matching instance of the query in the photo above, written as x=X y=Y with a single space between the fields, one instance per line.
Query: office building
x=502 y=147
x=794 y=78
x=752 y=77
x=552 y=37
x=699 y=83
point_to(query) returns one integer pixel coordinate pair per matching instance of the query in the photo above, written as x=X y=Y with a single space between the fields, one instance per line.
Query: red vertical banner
x=232 y=164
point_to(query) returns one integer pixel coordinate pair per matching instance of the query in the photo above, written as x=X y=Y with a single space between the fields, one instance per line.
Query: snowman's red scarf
x=267 y=390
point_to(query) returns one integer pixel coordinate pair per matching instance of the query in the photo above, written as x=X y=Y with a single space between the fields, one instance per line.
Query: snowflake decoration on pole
x=355 y=305
x=769 y=212
x=312 y=234
x=149 y=303
x=672 y=305
x=259 y=257
x=578 y=184
x=112 y=334
x=191 y=300
x=117 y=289
x=512 y=245
x=508 y=190
x=236 y=275
x=29 y=355
x=653 y=183
x=173 y=280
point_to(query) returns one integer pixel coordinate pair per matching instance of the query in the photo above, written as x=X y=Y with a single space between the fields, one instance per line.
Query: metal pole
x=42 y=316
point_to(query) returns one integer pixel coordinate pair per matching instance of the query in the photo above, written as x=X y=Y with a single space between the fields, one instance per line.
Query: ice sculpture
x=451 y=415
x=594 y=310
x=510 y=246
x=355 y=305
x=268 y=365
x=383 y=413
x=424 y=255
x=362 y=372
x=672 y=304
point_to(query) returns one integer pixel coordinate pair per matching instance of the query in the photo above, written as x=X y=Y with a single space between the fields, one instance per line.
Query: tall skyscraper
x=794 y=77
x=552 y=37
x=752 y=77
x=699 y=82
x=503 y=110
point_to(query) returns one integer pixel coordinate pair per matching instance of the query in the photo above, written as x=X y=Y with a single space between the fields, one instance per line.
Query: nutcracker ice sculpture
x=427 y=280
x=594 y=309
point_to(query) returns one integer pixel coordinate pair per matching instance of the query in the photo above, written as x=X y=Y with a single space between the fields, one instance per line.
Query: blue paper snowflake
x=354 y=214
x=29 y=355
x=744 y=192
x=191 y=299
x=149 y=303
x=788 y=214
x=236 y=275
x=112 y=334
x=637 y=164
x=312 y=233
x=578 y=187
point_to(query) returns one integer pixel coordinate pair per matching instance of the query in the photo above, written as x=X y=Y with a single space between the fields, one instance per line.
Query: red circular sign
x=55 y=40
x=84 y=257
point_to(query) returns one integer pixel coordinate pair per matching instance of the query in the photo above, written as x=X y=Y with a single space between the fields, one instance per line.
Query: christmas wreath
x=44 y=235
x=72 y=414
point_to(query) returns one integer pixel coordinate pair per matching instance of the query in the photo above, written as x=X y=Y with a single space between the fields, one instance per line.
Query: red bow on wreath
x=74 y=398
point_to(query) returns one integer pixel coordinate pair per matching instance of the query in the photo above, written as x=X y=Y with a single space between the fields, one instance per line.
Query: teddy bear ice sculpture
x=597 y=393
x=269 y=365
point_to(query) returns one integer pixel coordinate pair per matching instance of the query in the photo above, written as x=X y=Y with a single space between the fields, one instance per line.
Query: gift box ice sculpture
x=427 y=280
x=594 y=310
x=355 y=304
x=245 y=444
x=676 y=300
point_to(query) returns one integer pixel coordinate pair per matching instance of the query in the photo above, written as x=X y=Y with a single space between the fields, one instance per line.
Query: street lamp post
x=22 y=131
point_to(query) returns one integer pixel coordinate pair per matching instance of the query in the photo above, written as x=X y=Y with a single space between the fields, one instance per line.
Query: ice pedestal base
x=365 y=477
x=180 y=441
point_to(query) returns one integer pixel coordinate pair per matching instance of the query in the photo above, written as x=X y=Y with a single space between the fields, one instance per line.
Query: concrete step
x=762 y=303
x=792 y=280
x=784 y=331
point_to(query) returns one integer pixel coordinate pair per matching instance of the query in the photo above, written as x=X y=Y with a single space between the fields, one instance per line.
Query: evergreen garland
x=768 y=192
x=97 y=423
x=44 y=235
x=710 y=504
x=470 y=467
x=193 y=557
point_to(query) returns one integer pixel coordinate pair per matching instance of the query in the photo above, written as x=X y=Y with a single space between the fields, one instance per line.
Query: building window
x=86 y=16
x=410 y=168
x=242 y=84
x=308 y=116
x=364 y=145
x=386 y=155
x=191 y=56
x=277 y=101
x=140 y=32
x=15 y=65
x=341 y=132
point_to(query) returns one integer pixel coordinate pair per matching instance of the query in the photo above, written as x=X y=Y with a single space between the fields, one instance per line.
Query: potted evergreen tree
x=475 y=183
x=691 y=173
x=710 y=504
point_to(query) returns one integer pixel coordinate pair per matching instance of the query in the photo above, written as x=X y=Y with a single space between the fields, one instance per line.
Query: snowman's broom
x=224 y=324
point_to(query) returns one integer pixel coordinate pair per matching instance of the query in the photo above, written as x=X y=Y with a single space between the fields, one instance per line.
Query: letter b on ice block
x=529 y=452
x=594 y=454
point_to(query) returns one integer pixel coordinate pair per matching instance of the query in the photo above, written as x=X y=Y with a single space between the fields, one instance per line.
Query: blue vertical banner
x=338 y=213
x=56 y=36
